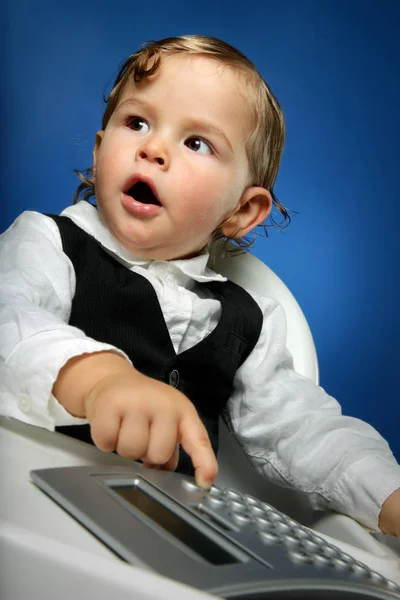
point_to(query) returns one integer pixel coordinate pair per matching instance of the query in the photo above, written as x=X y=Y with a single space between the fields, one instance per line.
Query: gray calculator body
x=223 y=542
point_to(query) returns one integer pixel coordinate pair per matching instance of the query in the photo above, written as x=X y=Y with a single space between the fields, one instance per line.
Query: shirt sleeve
x=37 y=287
x=294 y=433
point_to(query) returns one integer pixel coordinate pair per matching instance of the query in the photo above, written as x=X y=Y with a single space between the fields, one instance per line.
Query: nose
x=154 y=150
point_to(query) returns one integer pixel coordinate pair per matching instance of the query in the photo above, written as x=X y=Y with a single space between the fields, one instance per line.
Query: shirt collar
x=87 y=217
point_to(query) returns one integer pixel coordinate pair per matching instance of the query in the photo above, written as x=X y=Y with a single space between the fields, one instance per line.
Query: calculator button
x=290 y=541
x=263 y=523
x=215 y=501
x=256 y=510
x=273 y=516
x=310 y=545
x=267 y=507
x=340 y=564
x=391 y=585
x=376 y=578
x=347 y=558
x=233 y=495
x=282 y=527
x=215 y=491
x=269 y=537
x=301 y=534
x=237 y=506
x=330 y=551
x=300 y=557
x=252 y=501
x=321 y=561
x=241 y=518
x=359 y=570
x=191 y=486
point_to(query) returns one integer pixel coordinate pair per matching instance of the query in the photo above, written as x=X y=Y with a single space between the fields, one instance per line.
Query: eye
x=138 y=124
x=198 y=145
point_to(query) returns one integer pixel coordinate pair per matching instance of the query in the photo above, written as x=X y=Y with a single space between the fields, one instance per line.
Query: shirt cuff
x=361 y=495
x=59 y=416
x=26 y=395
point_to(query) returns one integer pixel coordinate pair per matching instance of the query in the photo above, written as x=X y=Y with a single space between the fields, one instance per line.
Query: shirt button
x=24 y=403
x=174 y=378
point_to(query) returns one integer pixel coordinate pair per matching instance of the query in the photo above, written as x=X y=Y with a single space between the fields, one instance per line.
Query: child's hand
x=389 y=518
x=142 y=418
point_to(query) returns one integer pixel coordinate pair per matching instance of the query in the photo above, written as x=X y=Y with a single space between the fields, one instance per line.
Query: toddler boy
x=111 y=317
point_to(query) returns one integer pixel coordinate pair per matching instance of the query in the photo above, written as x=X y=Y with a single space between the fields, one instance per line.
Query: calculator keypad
x=248 y=515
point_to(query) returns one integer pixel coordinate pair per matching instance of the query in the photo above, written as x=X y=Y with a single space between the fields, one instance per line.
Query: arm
x=137 y=416
x=295 y=434
x=37 y=286
x=52 y=374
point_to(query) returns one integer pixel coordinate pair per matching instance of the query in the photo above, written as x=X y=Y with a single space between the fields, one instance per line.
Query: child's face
x=182 y=133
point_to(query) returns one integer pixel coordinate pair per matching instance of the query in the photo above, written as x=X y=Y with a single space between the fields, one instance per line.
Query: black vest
x=117 y=306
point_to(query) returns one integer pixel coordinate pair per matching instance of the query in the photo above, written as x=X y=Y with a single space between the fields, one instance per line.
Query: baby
x=115 y=330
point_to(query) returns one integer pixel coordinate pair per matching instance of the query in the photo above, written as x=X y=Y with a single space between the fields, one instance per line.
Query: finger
x=172 y=463
x=104 y=430
x=133 y=437
x=163 y=438
x=195 y=441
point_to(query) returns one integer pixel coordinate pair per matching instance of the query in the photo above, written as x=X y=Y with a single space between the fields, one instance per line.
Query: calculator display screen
x=179 y=528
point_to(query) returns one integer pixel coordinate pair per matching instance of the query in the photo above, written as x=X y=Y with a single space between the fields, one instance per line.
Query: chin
x=142 y=246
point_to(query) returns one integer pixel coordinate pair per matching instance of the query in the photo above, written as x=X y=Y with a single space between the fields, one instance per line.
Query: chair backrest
x=234 y=468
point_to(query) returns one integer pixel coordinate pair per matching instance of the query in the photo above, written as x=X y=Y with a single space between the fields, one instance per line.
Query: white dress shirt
x=291 y=430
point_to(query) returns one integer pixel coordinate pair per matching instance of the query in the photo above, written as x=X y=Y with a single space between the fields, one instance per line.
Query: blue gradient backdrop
x=334 y=66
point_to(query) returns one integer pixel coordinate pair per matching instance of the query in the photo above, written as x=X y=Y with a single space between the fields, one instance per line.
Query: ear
x=99 y=137
x=253 y=208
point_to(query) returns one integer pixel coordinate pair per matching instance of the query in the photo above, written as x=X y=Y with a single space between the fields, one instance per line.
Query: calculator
x=224 y=542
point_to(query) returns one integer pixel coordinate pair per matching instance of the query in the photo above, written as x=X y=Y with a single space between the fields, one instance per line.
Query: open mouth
x=141 y=192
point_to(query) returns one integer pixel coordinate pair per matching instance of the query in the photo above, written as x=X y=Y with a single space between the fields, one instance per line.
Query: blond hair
x=264 y=144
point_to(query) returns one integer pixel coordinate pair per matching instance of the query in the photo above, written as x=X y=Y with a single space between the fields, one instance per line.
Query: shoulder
x=31 y=254
x=32 y=226
x=267 y=304
x=251 y=274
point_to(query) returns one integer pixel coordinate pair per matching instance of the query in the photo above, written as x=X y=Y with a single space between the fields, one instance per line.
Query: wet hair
x=264 y=144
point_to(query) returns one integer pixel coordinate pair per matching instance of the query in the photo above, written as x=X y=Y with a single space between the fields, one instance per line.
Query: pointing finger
x=196 y=443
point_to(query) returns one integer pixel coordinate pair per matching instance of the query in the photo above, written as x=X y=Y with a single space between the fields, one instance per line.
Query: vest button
x=174 y=378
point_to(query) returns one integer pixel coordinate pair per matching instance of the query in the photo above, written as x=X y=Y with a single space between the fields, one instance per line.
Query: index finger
x=196 y=443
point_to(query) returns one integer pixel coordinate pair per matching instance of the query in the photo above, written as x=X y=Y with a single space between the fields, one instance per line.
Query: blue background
x=334 y=66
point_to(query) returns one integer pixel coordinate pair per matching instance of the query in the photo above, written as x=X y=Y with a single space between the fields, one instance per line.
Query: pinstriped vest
x=117 y=306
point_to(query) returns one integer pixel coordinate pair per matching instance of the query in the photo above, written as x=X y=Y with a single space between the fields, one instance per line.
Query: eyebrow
x=191 y=123
x=207 y=126
x=134 y=102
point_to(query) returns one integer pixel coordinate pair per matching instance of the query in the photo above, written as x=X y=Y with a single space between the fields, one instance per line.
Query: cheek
x=207 y=197
x=200 y=206
x=108 y=162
